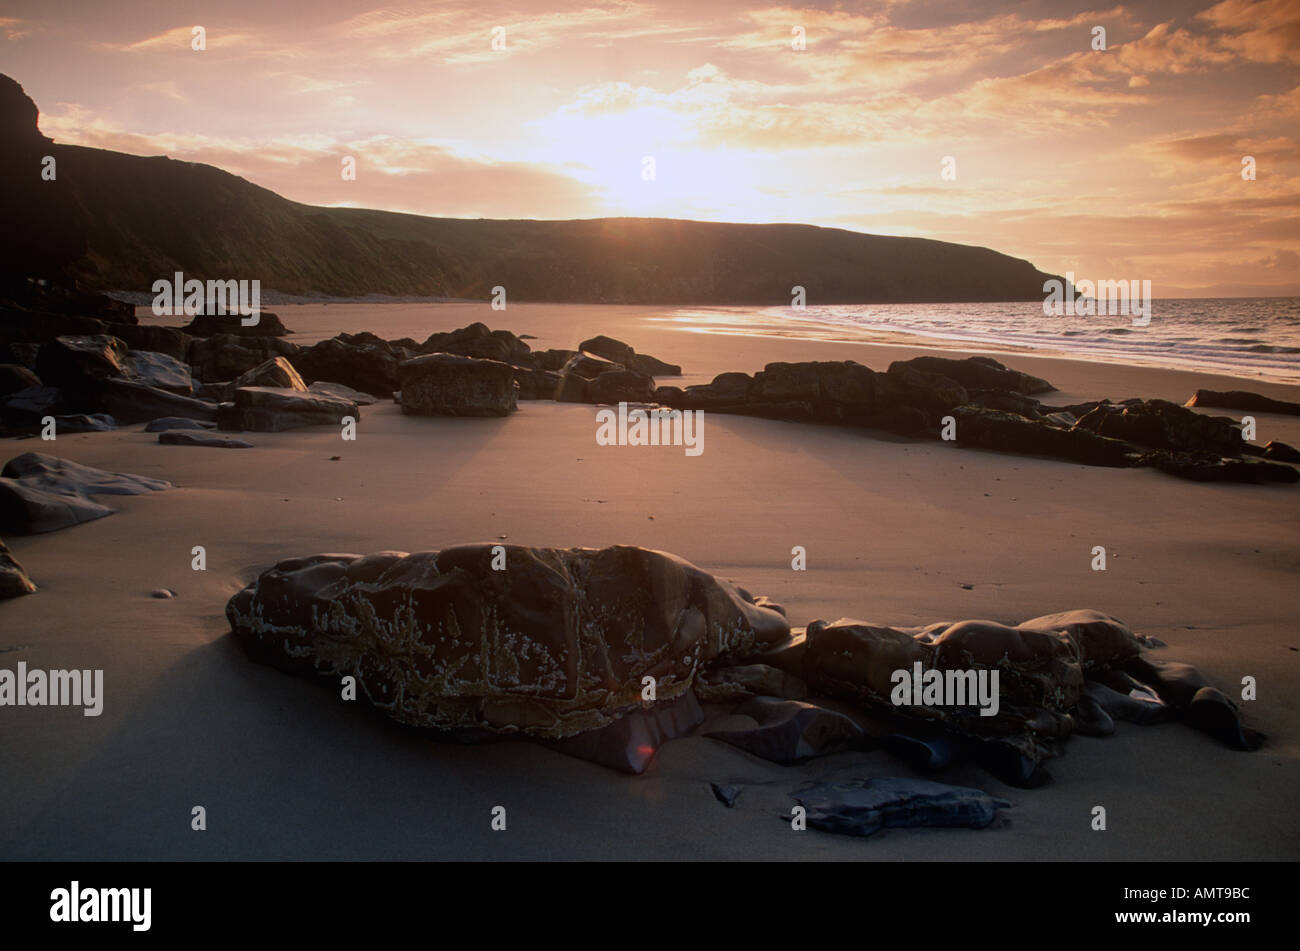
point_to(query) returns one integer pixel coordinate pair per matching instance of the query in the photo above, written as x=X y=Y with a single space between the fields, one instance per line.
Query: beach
x=897 y=530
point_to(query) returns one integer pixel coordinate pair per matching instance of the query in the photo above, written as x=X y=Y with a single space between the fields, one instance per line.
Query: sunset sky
x=1117 y=164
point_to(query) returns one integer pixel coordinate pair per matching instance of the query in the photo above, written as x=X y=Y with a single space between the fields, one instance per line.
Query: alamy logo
x=53 y=688
x=193 y=297
x=1089 y=299
x=103 y=904
x=945 y=688
x=656 y=427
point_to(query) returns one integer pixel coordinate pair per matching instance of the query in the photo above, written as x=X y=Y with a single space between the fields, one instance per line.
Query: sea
x=1249 y=337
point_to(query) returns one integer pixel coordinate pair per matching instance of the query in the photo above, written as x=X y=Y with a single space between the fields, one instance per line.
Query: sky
x=985 y=123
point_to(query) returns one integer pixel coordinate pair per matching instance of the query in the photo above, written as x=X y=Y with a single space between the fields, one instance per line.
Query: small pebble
x=726 y=793
x=162 y=593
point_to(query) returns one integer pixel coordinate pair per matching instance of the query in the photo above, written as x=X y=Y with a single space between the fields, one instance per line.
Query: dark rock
x=1077 y=410
x=553 y=360
x=166 y=423
x=1134 y=705
x=1281 y=452
x=847 y=384
x=225 y=356
x=1159 y=424
x=215 y=392
x=85 y=423
x=843 y=392
x=619 y=352
x=537 y=384
x=28 y=407
x=863 y=807
x=1091 y=718
x=576 y=377
x=907 y=386
x=1062 y=419
x=726 y=793
x=40 y=493
x=630 y=742
x=479 y=342
x=1196 y=700
x=904 y=420
x=277 y=373
x=343 y=393
x=14 y=378
x=726 y=390
x=978 y=373
x=1011 y=402
x=723 y=684
x=78 y=363
x=359 y=362
x=588 y=367
x=13 y=579
x=56 y=296
x=20 y=353
x=169 y=340
x=791 y=731
x=185 y=437
x=573 y=389
x=264 y=409
x=669 y=396
x=209 y=325
x=554 y=646
x=1041 y=664
x=927 y=753
x=1242 y=400
x=19 y=326
x=130 y=402
x=1211 y=467
x=609 y=349
x=652 y=366
x=1007 y=432
x=157 y=370
x=621 y=386
x=445 y=384
x=786 y=381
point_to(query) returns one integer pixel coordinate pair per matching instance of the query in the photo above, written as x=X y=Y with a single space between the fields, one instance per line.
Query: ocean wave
x=1238 y=337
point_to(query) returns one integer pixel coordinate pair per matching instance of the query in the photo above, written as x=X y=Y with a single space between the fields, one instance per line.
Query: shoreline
x=323 y=322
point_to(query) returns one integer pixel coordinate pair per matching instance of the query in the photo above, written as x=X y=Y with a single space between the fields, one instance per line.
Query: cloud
x=181 y=38
x=16 y=29
x=393 y=174
x=1226 y=149
x=1260 y=31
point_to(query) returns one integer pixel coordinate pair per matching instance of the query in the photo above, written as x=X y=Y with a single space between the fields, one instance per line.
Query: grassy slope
x=145 y=218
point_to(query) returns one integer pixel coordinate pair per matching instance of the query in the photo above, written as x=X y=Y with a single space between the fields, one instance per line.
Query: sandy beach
x=897 y=530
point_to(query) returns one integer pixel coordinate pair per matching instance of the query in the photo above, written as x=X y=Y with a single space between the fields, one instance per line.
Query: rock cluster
x=560 y=644
x=987 y=406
